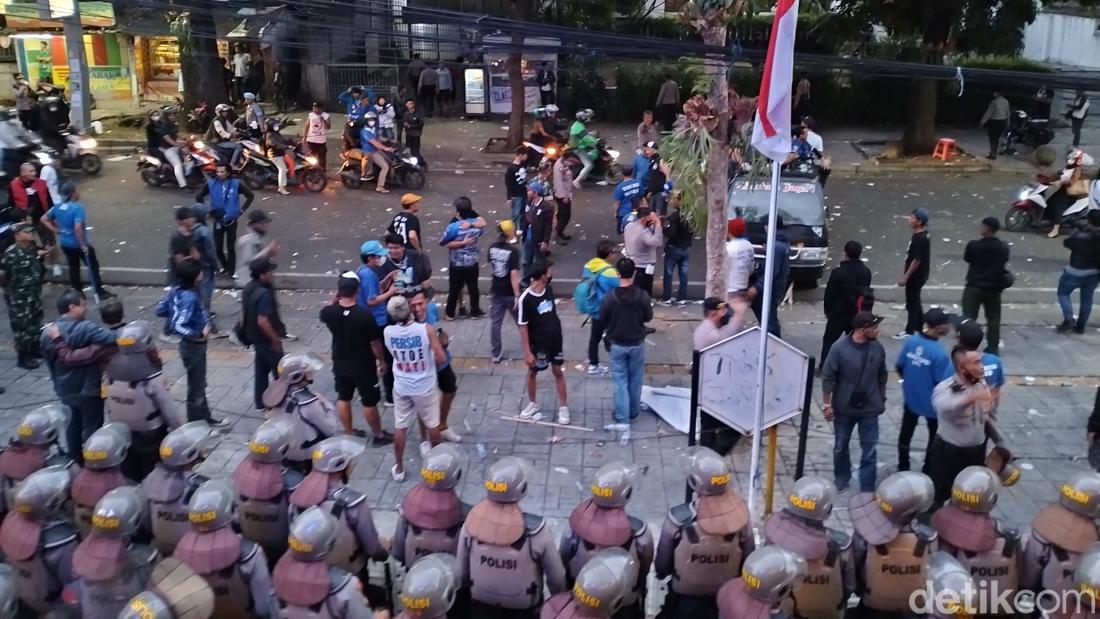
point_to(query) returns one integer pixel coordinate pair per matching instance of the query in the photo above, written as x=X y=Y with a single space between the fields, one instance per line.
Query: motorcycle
x=406 y=171
x=1031 y=132
x=155 y=170
x=80 y=152
x=258 y=171
x=606 y=168
x=549 y=152
x=1027 y=211
x=198 y=119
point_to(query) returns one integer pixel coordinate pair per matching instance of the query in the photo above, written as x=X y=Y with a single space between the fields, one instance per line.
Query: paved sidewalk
x=1052 y=380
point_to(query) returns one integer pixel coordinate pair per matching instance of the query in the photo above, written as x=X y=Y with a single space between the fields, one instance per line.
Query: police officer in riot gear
x=431 y=514
x=990 y=552
x=264 y=484
x=170 y=486
x=9 y=595
x=111 y=569
x=305 y=584
x=235 y=568
x=1060 y=533
x=104 y=452
x=38 y=540
x=33 y=447
x=601 y=588
x=326 y=487
x=764 y=587
x=956 y=590
x=175 y=591
x=314 y=417
x=503 y=553
x=891 y=551
x=703 y=543
x=602 y=522
x=138 y=397
x=430 y=588
x=800 y=528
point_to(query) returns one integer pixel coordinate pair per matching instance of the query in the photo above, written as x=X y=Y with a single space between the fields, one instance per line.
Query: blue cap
x=921 y=214
x=536 y=187
x=372 y=248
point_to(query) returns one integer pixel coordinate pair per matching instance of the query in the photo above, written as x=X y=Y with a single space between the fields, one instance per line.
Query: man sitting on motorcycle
x=351 y=150
x=372 y=145
x=281 y=152
x=223 y=134
x=543 y=132
x=584 y=144
x=170 y=144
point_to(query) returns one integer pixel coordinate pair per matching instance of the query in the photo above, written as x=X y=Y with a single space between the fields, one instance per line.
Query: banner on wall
x=43 y=59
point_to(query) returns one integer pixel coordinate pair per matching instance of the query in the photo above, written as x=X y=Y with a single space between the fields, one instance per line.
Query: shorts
x=545 y=357
x=365 y=383
x=425 y=407
x=447 y=381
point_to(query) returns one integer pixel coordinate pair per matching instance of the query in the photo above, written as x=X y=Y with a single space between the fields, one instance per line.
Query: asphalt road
x=321 y=233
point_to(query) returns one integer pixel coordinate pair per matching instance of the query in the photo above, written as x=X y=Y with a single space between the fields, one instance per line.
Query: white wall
x=1063 y=39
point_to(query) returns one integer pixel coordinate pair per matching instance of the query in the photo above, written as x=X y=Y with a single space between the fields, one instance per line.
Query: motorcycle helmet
x=1078 y=157
x=221 y=107
x=551 y=110
x=168 y=110
x=370 y=119
x=272 y=124
x=585 y=115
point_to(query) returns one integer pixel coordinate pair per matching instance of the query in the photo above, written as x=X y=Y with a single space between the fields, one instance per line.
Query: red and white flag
x=771 y=133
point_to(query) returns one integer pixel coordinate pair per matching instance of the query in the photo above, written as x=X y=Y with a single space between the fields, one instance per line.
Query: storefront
x=42 y=58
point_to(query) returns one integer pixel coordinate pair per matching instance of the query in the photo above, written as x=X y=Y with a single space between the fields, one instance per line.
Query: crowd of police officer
x=276 y=542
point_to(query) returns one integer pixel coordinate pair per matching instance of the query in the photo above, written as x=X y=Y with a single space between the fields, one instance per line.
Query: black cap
x=184 y=212
x=256 y=216
x=713 y=303
x=259 y=266
x=865 y=319
x=935 y=316
x=970 y=334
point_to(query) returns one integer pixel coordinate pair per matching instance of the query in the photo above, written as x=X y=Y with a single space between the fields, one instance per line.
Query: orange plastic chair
x=945 y=149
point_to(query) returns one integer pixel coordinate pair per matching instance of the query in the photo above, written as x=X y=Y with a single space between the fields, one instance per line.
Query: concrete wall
x=1063 y=39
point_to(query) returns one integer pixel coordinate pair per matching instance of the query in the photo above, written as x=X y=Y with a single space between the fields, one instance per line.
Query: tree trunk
x=920 y=125
x=521 y=10
x=199 y=61
x=717 y=161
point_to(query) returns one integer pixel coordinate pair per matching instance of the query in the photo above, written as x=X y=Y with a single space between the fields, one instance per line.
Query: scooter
x=406 y=172
x=80 y=152
x=1031 y=132
x=156 y=171
x=1026 y=212
x=537 y=154
x=258 y=171
x=606 y=168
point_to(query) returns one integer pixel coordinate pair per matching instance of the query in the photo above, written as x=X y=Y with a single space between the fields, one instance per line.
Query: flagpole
x=765 y=321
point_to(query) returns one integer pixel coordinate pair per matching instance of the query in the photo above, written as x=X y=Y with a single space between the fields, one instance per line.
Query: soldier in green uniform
x=21 y=274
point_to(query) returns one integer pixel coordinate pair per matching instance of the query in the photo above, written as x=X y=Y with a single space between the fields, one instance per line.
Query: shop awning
x=27 y=16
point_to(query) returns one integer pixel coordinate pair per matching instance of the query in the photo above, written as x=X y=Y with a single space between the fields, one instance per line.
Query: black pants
x=387 y=378
x=717 y=435
x=193 y=356
x=835 y=327
x=265 y=368
x=457 y=278
x=994 y=129
x=319 y=150
x=945 y=461
x=225 y=244
x=681 y=606
x=144 y=453
x=413 y=142
x=667 y=116
x=915 y=321
x=426 y=101
x=1076 y=123
x=758 y=310
x=909 y=421
x=643 y=280
x=990 y=301
x=75 y=258
x=29 y=118
x=595 y=336
x=565 y=213
x=85 y=417
x=546 y=96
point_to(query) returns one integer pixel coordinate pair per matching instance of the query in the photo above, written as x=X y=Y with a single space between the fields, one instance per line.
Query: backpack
x=586 y=294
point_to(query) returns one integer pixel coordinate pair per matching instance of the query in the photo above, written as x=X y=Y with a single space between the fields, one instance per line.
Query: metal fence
x=381 y=78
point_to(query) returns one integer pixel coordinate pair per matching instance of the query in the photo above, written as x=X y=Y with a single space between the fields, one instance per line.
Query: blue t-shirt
x=641 y=169
x=367 y=134
x=627 y=195
x=994 y=370
x=461 y=256
x=67 y=215
x=369 y=287
x=923 y=364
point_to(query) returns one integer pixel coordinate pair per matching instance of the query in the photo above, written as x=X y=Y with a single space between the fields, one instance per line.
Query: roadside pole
x=79 y=103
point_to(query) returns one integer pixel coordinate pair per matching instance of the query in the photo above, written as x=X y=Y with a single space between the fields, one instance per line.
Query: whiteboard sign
x=728 y=380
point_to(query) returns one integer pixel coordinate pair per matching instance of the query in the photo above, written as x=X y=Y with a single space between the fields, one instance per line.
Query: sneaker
x=477 y=315
x=531 y=412
x=497 y=359
x=597 y=370
x=387 y=404
x=624 y=438
x=900 y=335
x=103 y=293
x=451 y=436
x=359 y=433
x=382 y=440
x=681 y=302
x=563 y=415
x=617 y=427
x=666 y=302
x=448 y=317
x=425 y=447
x=169 y=339
x=283 y=191
x=398 y=476
x=1065 y=326
x=218 y=423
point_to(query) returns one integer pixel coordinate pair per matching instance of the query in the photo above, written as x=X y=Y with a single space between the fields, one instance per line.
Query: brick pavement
x=1052 y=381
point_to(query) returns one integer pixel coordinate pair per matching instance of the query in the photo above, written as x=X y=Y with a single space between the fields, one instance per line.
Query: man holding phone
x=641 y=238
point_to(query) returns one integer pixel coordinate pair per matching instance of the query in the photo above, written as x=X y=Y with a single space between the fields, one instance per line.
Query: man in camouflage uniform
x=21 y=274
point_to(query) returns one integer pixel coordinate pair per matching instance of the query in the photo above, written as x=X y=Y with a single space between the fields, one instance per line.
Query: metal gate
x=380 y=78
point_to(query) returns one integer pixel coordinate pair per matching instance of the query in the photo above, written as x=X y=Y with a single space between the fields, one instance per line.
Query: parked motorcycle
x=1022 y=129
x=606 y=168
x=406 y=172
x=258 y=171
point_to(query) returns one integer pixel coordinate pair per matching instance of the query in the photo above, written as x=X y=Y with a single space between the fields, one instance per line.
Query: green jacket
x=581 y=140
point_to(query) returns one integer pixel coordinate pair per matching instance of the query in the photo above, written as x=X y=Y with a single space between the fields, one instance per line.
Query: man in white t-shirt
x=316 y=134
x=241 y=60
x=416 y=351
x=740 y=266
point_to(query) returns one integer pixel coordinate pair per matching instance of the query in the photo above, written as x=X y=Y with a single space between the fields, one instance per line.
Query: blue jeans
x=676 y=258
x=85 y=417
x=518 y=205
x=844 y=425
x=529 y=251
x=1067 y=283
x=628 y=372
x=233 y=148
